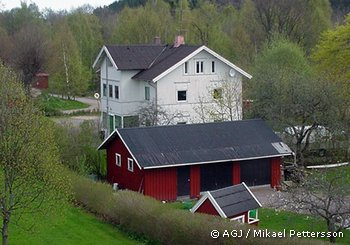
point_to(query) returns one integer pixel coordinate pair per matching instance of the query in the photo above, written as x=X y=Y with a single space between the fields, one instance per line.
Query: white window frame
x=104 y=90
x=118 y=159
x=186 y=68
x=240 y=219
x=147 y=93
x=115 y=94
x=253 y=220
x=110 y=90
x=200 y=71
x=130 y=164
x=177 y=95
x=211 y=66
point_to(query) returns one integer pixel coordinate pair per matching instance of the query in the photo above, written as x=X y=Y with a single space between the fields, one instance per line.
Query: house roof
x=230 y=201
x=154 y=61
x=189 y=144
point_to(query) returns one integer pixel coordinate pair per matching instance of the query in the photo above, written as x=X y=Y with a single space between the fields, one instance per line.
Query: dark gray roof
x=169 y=57
x=134 y=57
x=235 y=200
x=199 y=143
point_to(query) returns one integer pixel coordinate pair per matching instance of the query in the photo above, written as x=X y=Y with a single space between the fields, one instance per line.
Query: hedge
x=154 y=220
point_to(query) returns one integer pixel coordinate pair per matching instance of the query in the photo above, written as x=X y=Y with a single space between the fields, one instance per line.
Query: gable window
x=199 y=67
x=110 y=91
x=118 y=160
x=240 y=219
x=147 y=93
x=213 y=67
x=217 y=93
x=104 y=90
x=130 y=165
x=116 y=92
x=181 y=95
x=186 y=68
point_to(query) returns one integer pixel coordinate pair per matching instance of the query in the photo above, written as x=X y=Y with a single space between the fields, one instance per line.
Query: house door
x=256 y=172
x=183 y=181
x=215 y=176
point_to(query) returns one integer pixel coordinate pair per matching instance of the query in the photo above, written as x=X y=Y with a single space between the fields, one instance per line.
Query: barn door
x=215 y=176
x=256 y=172
x=183 y=181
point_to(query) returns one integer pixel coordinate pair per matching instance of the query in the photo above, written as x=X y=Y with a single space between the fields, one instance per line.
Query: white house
x=177 y=78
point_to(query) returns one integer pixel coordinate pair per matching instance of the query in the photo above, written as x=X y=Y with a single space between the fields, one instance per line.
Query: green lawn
x=62 y=104
x=277 y=221
x=77 y=227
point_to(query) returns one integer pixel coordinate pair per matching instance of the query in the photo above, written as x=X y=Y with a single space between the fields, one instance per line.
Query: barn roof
x=230 y=201
x=189 y=144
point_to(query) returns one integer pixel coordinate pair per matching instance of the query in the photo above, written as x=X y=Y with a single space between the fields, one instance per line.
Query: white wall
x=197 y=85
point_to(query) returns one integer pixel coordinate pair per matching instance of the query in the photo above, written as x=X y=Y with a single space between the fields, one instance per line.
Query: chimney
x=157 y=41
x=179 y=40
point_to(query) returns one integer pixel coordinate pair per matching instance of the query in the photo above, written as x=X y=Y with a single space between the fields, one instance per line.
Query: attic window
x=186 y=68
x=213 y=67
x=130 y=165
x=118 y=160
x=199 y=67
x=104 y=90
x=110 y=91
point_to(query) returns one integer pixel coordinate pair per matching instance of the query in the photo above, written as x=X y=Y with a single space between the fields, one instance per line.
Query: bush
x=149 y=218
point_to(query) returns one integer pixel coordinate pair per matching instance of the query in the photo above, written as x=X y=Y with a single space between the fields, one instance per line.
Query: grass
x=77 y=227
x=62 y=104
x=279 y=220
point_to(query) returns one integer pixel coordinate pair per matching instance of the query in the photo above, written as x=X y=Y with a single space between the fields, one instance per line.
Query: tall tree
x=32 y=178
x=69 y=76
x=287 y=93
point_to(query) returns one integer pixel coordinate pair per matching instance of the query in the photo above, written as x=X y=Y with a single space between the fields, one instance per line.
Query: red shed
x=166 y=162
x=234 y=202
x=41 y=81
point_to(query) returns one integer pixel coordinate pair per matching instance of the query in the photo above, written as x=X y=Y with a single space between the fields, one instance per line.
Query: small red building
x=235 y=202
x=41 y=81
x=166 y=162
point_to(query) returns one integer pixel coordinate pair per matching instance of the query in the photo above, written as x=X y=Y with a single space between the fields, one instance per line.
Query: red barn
x=166 y=162
x=41 y=81
x=235 y=202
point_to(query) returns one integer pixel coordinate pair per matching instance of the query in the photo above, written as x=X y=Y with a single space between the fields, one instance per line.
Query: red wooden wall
x=161 y=183
x=121 y=175
x=236 y=173
x=207 y=208
x=276 y=172
x=195 y=181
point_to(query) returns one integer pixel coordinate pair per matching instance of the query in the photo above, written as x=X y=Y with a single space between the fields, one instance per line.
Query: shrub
x=154 y=220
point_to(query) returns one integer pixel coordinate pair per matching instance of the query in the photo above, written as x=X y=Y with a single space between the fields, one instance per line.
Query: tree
x=33 y=181
x=287 y=93
x=69 y=76
x=152 y=114
x=224 y=102
x=325 y=194
x=30 y=52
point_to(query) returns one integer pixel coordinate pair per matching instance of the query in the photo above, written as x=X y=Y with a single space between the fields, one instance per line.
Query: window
x=116 y=92
x=213 y=67
x=186 y=68
x=118 y=160
x=110 y=91
x=104 y=90
x=117 y=121
x=253 y=216
x=131 y=121
x=181 y=95
x=240 y=219
x=147 y=93
x=130 y=165
x=199 y=67
x=217 y=93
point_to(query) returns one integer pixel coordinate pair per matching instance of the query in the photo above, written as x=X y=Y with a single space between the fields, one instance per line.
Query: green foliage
x=77 y=148
x=33 y=180
x=158 y=222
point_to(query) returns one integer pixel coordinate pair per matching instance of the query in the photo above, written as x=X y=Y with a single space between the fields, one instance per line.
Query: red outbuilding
x=166 y=162
x=235 y=202
x=41 y=81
